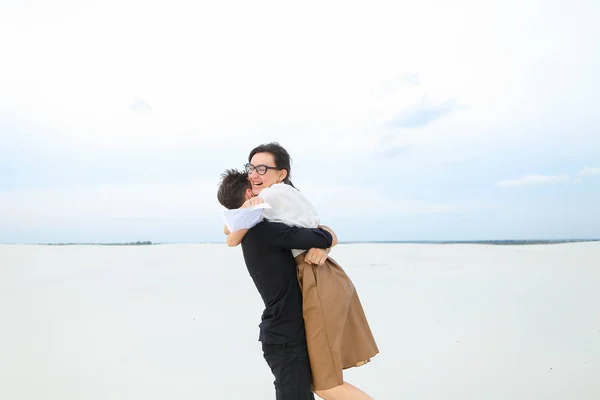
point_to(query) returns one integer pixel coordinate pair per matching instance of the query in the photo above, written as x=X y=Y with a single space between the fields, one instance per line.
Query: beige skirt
x=338 y=335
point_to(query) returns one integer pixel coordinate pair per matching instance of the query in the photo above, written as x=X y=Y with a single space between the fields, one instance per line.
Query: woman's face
x=258 y=163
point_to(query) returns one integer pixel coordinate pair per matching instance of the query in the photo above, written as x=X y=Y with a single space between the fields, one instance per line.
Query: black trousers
x=291 y=368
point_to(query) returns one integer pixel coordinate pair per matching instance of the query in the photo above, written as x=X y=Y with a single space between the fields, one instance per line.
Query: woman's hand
x=316 y=256
x=252 y=202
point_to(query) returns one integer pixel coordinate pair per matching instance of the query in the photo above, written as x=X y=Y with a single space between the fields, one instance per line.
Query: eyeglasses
x=260 y=169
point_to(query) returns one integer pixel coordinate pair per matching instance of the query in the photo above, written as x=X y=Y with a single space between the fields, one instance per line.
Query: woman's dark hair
x=280 y=156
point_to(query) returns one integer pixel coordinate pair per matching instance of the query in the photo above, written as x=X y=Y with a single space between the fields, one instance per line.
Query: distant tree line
x=138 y=243
x=496 y=242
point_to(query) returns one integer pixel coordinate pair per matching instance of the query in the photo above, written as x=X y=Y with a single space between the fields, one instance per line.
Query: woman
x=338 y=334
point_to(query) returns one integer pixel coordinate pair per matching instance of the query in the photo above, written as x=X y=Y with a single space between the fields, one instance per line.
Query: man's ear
x=249 y=194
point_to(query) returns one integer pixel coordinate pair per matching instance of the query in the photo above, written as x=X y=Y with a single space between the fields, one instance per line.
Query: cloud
x=98 y=202
x=139 y=105
x=176 y=212
x=404 y=80
x=530 y=180
x=589 y=171
x=412 y=79
x=28 y=207
x=391 y=146
x=397 y=134
x=352 y=202
x=424 y=113
x=391 y=152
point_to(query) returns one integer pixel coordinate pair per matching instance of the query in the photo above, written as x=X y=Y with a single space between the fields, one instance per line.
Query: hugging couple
x=313 y=326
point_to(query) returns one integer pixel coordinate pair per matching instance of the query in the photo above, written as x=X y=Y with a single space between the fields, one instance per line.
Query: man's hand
x=316 y=256
x=252 y=202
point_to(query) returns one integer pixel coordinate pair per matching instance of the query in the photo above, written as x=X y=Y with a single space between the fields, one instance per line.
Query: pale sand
x=180 y=322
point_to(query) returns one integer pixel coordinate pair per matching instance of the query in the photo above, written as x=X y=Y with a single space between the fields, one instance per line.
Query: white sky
x=345 y=80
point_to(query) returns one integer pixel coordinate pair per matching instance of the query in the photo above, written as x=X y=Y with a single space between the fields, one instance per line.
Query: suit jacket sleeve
x=292 y=237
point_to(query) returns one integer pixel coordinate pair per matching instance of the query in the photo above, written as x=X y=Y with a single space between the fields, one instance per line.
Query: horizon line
x=477 y=241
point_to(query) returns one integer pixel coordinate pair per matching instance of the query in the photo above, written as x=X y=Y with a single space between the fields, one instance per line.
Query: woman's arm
x=290 y=206
x=247 y=204
x=235 y=238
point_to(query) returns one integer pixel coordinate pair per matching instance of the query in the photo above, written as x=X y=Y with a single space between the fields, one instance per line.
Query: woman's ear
x=282 y=175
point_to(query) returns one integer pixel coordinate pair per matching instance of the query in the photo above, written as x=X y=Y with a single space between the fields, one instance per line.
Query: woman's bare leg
x=344 y=391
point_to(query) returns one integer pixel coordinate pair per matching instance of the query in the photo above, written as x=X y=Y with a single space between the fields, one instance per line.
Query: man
x=267 y=252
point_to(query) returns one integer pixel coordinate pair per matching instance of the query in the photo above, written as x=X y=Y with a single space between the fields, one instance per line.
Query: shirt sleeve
x=289 y=206
x=292 y=237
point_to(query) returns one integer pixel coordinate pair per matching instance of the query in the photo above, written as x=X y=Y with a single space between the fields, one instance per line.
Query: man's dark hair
x=280 y=156
x=232 y=189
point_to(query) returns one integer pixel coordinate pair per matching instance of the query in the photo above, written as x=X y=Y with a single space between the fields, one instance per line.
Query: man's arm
x=319 y=256
x=333 y=235
x=293 y=237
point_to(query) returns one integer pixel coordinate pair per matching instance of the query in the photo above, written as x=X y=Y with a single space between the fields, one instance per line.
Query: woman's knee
x=334 y=393
x=343 y=392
